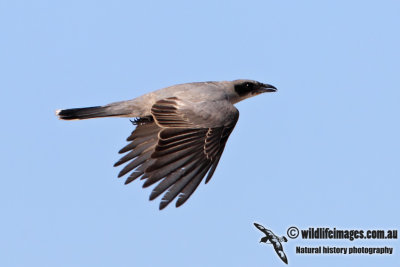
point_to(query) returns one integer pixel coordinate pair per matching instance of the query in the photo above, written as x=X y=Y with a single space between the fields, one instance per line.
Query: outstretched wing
x=177 y=146
x=262 y=228
x=279 y=250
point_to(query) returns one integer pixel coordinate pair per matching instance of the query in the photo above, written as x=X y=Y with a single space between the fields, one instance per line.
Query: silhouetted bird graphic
x=274 y=240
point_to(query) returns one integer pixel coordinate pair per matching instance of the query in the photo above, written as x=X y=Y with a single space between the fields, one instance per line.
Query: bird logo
x=273 y=240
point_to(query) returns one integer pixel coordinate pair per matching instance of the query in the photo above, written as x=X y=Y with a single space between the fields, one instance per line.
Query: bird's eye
x=248 y=85
x=244 y=88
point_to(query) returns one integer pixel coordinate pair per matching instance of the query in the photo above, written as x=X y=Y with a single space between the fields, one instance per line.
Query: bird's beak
x=264 y=88
x=267 y=88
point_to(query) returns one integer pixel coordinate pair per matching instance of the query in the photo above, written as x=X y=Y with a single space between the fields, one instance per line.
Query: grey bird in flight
x=274 y=240
x=180 y=134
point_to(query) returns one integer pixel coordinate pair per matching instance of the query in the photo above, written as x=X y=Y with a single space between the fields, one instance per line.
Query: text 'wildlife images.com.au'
x=333 y=235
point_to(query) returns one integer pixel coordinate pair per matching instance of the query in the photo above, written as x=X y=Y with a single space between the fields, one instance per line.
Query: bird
x=274 y=240
x=181 y=132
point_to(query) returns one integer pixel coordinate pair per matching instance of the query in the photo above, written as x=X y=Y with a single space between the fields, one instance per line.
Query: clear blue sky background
x=322 y=151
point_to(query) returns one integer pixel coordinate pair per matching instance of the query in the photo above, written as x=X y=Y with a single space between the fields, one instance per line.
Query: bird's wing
x=177 y=146
x=279 y=250
x=262 y=228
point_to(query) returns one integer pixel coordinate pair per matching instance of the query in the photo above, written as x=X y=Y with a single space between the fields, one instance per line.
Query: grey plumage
x=180 y=134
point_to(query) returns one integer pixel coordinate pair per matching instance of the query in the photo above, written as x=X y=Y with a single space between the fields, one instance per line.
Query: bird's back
x=192 y=92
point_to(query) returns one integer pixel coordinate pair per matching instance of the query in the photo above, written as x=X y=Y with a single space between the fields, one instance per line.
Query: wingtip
x=153 y=195
x=162 y=205
x=116 y=164
x=120 y=174
x=180 y=202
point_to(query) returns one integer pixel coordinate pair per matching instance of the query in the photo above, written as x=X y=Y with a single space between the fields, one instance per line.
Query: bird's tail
x=111 y=110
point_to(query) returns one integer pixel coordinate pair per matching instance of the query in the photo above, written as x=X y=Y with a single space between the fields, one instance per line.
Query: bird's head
x=247 y=88
x=264 y=239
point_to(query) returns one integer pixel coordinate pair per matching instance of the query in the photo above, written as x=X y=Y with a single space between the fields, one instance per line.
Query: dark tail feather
x=87 y=113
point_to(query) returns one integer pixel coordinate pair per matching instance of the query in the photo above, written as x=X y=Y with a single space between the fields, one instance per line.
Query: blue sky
x=321 y=152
